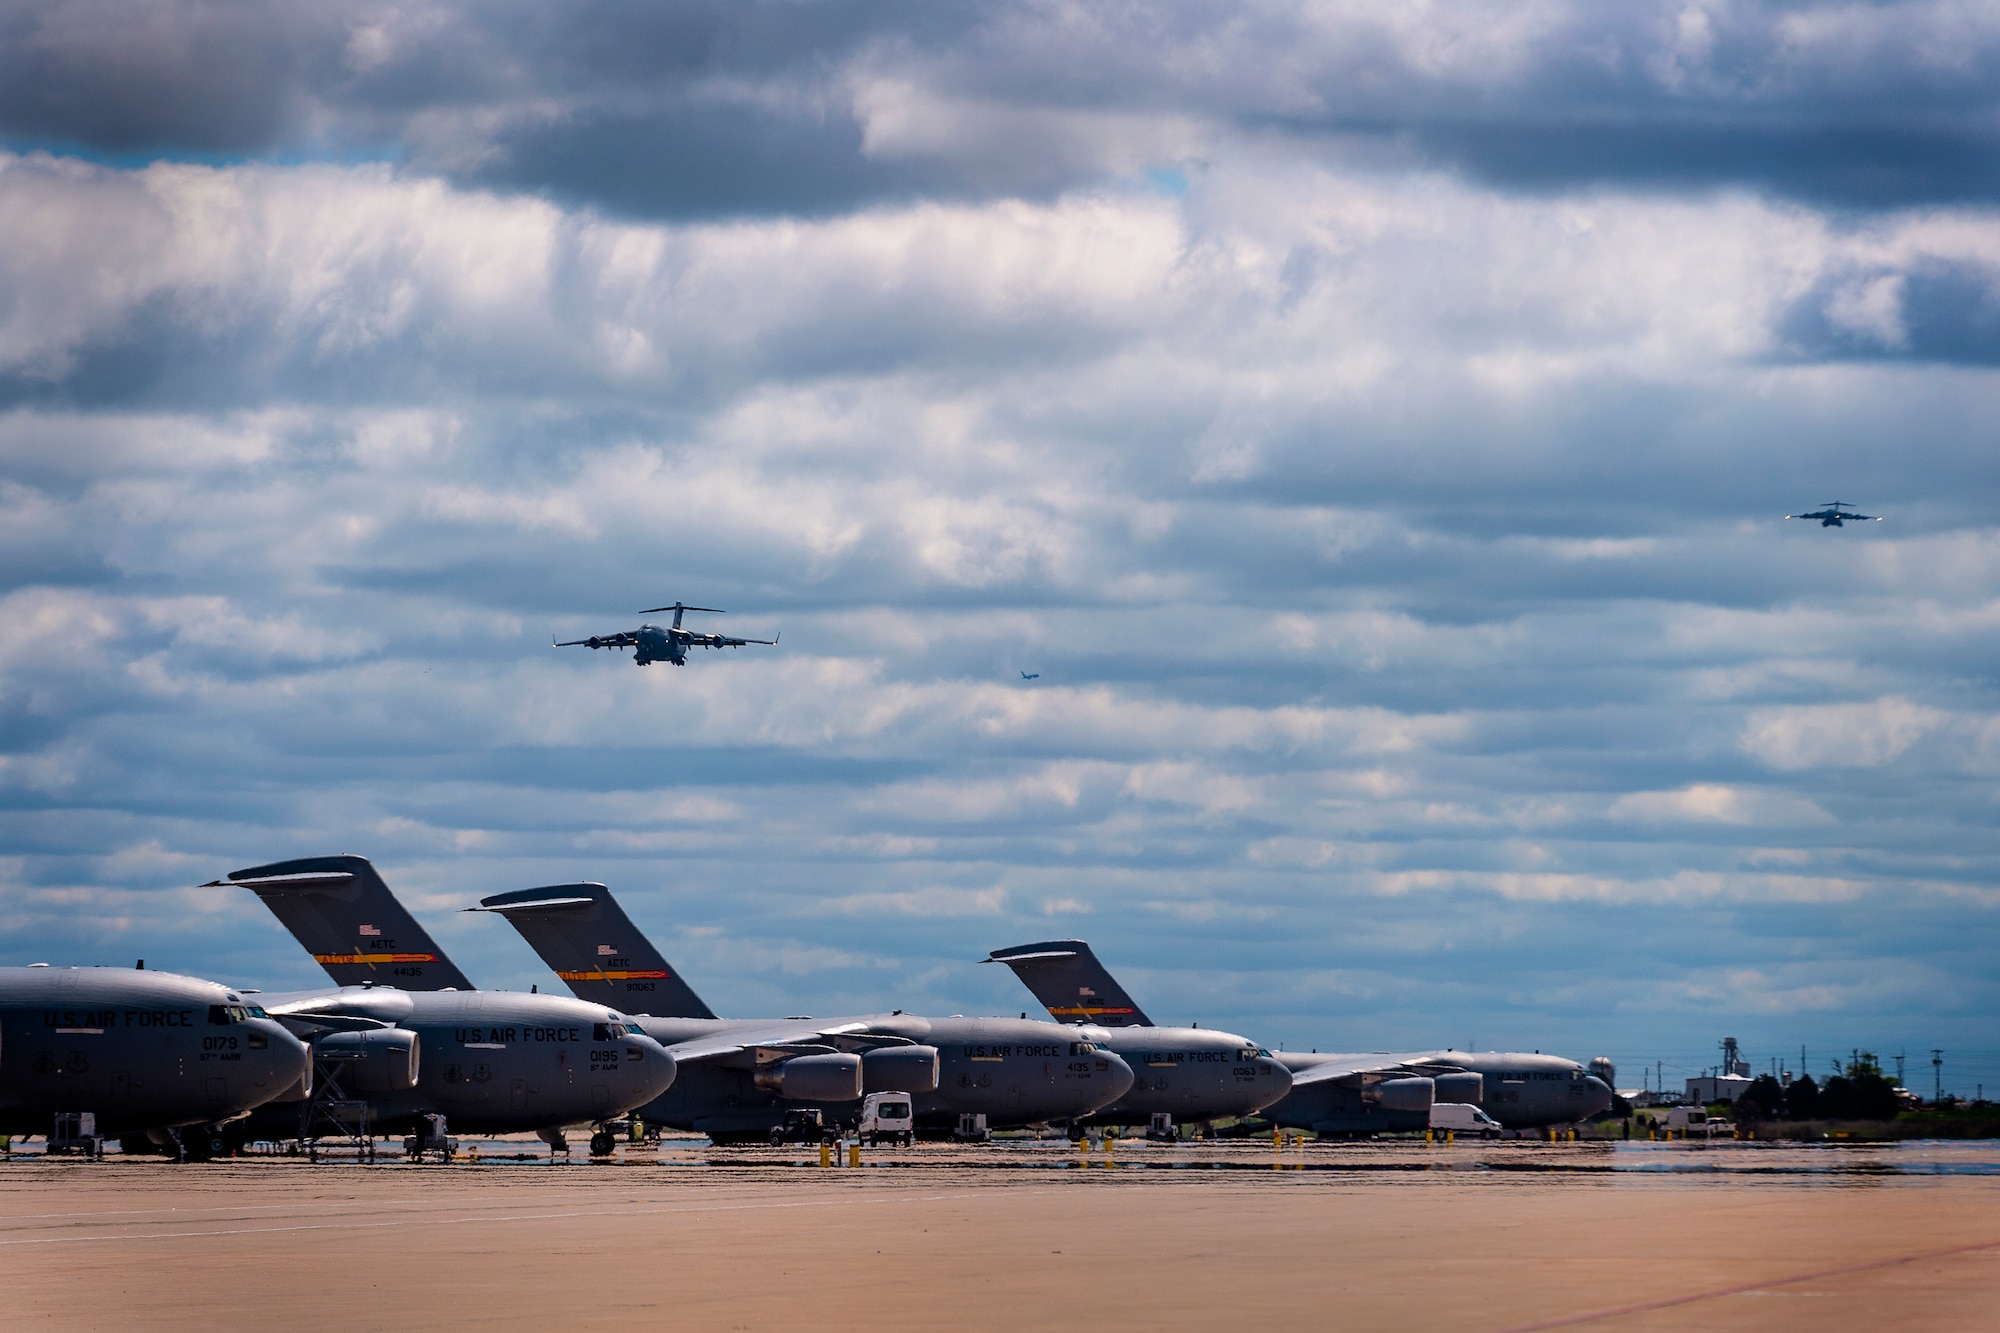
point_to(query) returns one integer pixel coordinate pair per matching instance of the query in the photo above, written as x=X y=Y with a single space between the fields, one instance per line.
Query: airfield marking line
x=1668 y=1302
x=504 y=1217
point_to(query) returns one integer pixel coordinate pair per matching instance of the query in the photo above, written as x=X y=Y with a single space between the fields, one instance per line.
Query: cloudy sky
x=1373 y=423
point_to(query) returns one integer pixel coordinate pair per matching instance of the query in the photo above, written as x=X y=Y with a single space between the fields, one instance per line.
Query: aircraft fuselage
x=142 y=1050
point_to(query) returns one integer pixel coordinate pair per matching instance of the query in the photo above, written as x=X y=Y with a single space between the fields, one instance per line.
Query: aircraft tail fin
x=348 y=920
x=1071 y=984
x=586 y=939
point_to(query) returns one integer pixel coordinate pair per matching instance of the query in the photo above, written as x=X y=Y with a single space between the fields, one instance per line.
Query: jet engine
x=1405 y=1094
x=1468 y=1087
x=814 y=1078
x=380 y=1060
x=900 y=1069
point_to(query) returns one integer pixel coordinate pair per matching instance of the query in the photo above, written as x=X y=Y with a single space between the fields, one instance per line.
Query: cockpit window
x=221 y=1015
x=608 y=1032
x=1082 y=1047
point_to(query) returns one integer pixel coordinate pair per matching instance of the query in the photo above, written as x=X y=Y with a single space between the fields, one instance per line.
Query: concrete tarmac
x=1493 y=1237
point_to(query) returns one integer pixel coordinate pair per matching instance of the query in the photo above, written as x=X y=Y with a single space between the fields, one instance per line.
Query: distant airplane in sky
x=655 y=644
x=1832 y=515
x=1031 y=675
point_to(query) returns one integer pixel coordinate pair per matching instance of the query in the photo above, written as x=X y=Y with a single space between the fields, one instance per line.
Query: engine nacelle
x=1604 y=1071
x=1468 y=1087
x=900 y=1069
x=381 y=1060
x=814 y=1078
x=1405 y=1094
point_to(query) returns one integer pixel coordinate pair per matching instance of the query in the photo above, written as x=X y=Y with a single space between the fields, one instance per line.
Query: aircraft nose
x=287 y=1060
x=1600 y=1094
x=656 y=1068
x=1112 y=1083
x=1271 y=1072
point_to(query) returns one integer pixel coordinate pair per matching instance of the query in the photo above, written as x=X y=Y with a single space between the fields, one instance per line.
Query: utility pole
x=1899 y=1069
x=1937 y=1077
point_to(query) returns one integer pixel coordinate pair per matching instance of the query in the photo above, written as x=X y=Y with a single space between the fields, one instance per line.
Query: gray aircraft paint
x=1521 y=1091
x=490 y=1061
x=1016 y=1072
x=144 y=1051
x=1338 y=1094
x=1192 y=1074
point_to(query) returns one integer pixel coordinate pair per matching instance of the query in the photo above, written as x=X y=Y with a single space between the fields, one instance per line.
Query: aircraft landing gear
x=603 y=1143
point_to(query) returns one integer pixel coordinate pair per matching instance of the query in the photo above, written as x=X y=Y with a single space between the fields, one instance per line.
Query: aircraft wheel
x=603 y=1143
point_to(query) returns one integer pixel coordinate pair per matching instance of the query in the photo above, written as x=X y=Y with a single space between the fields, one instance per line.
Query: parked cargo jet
x=1180 y=1075
x=739 y=1076
x=489 y=1061
x=146 y=1053
x=1339 y=1094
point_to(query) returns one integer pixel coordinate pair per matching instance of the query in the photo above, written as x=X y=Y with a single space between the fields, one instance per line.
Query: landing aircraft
x=1339 y=1094
x=669 y=644
x=158 y=1058
x=1836 y=512
x=1031 y=675
x=739 y=1076
x=405 y=1031
x=1196 y=1074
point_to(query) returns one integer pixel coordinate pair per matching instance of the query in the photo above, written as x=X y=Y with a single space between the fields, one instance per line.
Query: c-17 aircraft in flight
x=158 y=1059
x=739 y=1077
x=669 y=643
x=406 y=1032
x=1340 y=1094
x=1835 y=513
x=1180 y=1075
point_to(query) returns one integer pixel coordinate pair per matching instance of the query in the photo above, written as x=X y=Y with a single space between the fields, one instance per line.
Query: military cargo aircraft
x=1340 y=1094
x=670 y=643
x=1180 y=1075
x=1835 y=513
x=153 y=1056
x=406 y=1033
x=739 y=1077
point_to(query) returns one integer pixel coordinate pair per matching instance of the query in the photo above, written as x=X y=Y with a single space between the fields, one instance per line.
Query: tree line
x=1860 y=1092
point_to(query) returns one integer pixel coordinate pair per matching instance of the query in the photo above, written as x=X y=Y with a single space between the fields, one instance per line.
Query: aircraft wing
x=1311 y=1069
x=720 y=640
x=791 y=1036
x=624 y=638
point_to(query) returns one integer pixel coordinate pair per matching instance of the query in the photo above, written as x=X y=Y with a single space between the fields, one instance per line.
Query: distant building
x=1712 y=1088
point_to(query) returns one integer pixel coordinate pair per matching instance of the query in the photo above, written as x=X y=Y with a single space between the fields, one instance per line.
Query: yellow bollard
x=1449 y=1138
x=1427 y=1138
x=1110 y=1145
x=825 y=1153
x=854 y=1153
x=1277 y=1139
